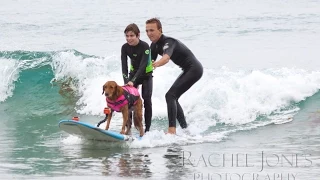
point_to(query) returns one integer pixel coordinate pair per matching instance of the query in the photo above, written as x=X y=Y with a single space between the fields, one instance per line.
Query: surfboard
x=90 y=132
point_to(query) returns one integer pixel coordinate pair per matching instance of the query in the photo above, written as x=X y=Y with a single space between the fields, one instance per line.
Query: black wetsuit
x=140 y=73
x=192 y=72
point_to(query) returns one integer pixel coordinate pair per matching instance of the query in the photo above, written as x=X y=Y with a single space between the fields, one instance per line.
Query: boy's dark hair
x=132 y=27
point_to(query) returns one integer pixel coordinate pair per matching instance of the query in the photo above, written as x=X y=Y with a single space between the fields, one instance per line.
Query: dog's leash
x=102 y=121
x=106 y=111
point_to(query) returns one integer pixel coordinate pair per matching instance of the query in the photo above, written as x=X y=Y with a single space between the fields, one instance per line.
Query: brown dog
x=123 y=99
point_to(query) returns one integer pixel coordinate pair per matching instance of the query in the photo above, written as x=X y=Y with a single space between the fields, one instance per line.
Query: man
x=140 y=68
x=170 y=48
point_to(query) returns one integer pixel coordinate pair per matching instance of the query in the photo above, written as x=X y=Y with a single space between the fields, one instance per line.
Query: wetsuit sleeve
x=154 y=53
x=124 y=64
x=143 y=62
x=169 y=46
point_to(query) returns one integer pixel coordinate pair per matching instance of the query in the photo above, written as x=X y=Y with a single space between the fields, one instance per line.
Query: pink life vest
x=130 y=96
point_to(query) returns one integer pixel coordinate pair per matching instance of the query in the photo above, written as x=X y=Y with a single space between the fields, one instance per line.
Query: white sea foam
x=9 y=73
x=221 y=96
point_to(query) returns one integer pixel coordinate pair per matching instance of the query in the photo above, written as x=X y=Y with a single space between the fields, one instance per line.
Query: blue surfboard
x=88 y=131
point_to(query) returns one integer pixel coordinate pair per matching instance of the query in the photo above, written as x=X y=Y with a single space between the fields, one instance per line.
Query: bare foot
x=171 y=130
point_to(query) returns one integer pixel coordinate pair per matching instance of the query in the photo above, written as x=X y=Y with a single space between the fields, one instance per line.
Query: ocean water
x=255 y=114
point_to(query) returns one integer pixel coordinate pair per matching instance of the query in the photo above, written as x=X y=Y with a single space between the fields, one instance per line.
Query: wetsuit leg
x=180 y=116
x=147 y=86
x=180 y=86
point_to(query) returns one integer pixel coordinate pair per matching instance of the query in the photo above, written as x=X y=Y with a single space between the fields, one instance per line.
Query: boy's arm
x=124 y=65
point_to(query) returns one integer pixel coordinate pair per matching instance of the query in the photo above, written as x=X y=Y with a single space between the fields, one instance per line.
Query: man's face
x=153 y=32
x=131 y=38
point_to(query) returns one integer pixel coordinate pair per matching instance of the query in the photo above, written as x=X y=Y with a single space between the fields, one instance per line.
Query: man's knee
x=170 y=96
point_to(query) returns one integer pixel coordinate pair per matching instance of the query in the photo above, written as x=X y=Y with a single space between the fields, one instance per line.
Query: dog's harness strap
x=131 y=98
x=128 y=98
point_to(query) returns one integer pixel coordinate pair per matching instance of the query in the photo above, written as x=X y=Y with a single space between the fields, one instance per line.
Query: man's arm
x=168 y=49
x=124 y=65
x=164 y=60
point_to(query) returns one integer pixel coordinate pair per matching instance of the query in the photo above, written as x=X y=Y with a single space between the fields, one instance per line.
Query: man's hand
x=154 y=64
x=130 y=83
x=164 y=60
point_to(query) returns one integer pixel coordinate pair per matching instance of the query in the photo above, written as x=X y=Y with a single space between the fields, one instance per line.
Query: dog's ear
x=119 y=91
x=103 y=89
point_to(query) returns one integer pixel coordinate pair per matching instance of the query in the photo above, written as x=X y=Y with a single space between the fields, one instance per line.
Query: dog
x=124 y=99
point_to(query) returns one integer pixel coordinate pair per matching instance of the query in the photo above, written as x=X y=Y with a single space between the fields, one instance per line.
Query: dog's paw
x=122 y=132
x=128 y=132
x=107 y=128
